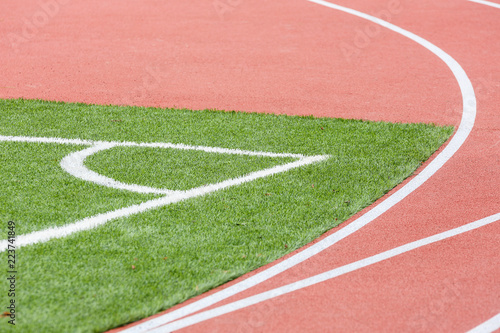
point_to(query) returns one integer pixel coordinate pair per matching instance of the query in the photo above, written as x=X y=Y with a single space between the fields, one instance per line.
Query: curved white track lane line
x=252 y=300
x=464 y=129
x=488 y=326
x=487 y=3
x=74 y=165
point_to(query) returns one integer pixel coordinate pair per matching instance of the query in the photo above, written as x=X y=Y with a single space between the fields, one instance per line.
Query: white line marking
x=464 y=129
x=45 y=140
x=487 y=3
x=252 y=300
x=488 y=326
x=73 y=163
x=147 y=144
x=212 y=149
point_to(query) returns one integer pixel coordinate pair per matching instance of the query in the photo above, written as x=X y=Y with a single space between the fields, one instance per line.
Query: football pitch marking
x=73 y=164
x=325 y=276
x=462 y=133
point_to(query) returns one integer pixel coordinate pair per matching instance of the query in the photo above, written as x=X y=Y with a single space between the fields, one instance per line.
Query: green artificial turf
x=134 y=267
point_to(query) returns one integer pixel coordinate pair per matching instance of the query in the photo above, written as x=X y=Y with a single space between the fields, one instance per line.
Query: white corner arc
x=74 y=165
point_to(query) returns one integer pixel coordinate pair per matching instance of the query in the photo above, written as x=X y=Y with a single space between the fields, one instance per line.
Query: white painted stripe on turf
x=74 y=165
x=487 y=3
x=45 y=140
x=95 y=221
x=464 y=129
x=211 y=149
x=148 y=145
x=252 y=300
x=488 y=326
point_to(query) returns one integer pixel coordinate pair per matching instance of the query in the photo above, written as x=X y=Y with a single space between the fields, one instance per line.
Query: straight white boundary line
x=487 y=3
x=489 y=326
x=88 y=223
x=147 y=145
x=464 y=129
x=252 y=300
x=33 y=139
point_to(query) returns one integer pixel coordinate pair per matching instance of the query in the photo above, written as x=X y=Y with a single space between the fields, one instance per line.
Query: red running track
x=297 y=57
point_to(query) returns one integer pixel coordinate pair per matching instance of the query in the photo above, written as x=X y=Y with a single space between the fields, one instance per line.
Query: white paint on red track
x=487 y=3
x=255 y=299
x=464 y=129
x=489 y=326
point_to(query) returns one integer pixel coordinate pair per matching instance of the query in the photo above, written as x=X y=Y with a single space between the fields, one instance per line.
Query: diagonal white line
x=487 y=3
x=252 y=300
x=464 y=129
x=489 y=326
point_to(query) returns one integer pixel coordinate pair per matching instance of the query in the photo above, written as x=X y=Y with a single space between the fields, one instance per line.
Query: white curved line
x=464 y=129
x=322 y=277
x=74 y=165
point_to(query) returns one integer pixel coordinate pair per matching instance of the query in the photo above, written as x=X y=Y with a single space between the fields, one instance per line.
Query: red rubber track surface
x=287 y=57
